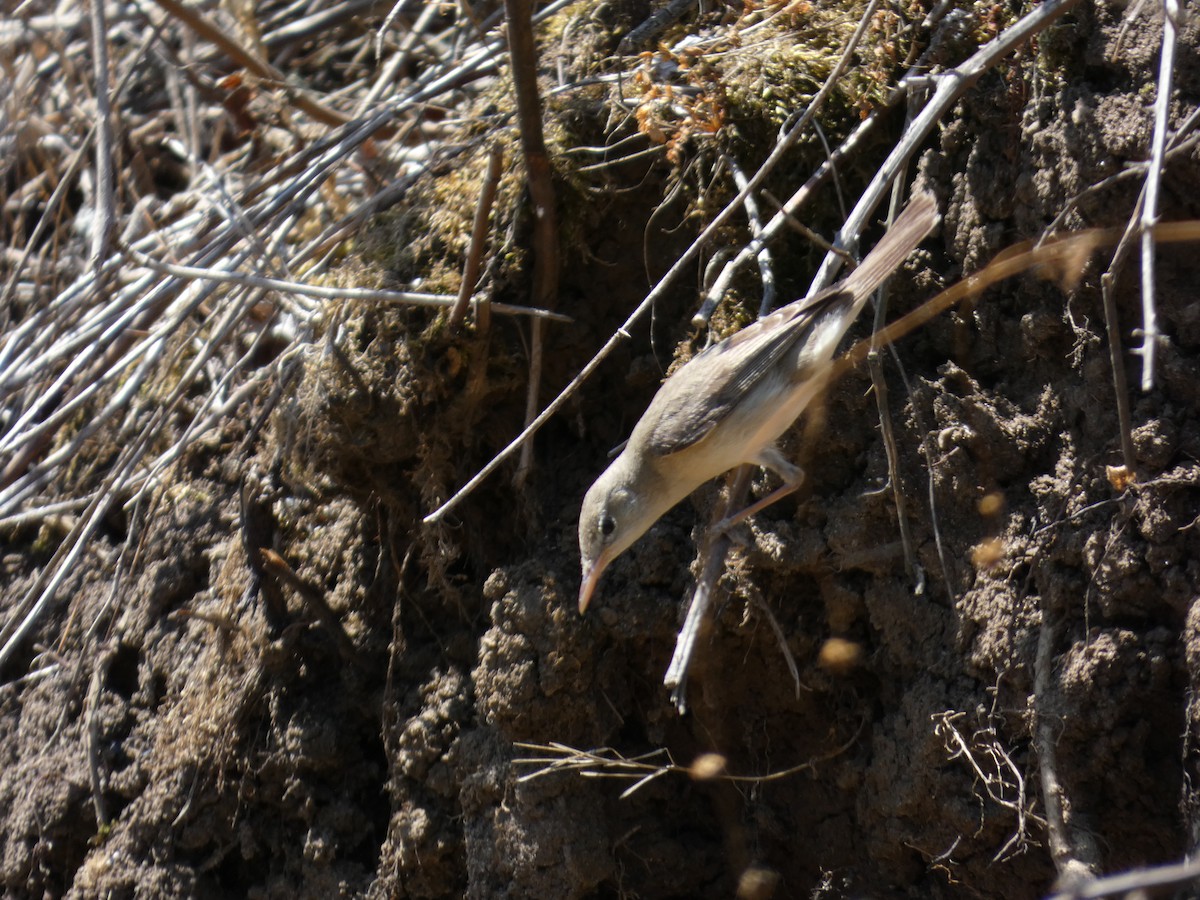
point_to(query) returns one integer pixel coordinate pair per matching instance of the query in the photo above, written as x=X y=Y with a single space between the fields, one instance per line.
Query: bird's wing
x=693 y=401
x=697 y=398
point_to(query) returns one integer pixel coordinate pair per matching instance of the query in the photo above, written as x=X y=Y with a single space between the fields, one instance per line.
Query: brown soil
x=357 y=734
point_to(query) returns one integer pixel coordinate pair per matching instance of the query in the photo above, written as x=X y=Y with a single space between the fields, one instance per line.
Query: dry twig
x=523 y=55
x=1072 y=846
x=1162 y=104
x=1132 y=884
x=475 y=251
x=608 y=763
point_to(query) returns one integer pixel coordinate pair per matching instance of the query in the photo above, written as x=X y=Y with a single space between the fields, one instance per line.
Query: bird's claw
x=734 y=528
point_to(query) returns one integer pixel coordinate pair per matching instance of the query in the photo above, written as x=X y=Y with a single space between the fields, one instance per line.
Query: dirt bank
x=345 y=715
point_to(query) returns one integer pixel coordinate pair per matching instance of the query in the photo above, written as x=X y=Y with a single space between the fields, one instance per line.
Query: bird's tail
x=910 y=228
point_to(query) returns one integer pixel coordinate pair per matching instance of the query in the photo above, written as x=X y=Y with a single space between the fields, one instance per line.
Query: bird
x=729 y=404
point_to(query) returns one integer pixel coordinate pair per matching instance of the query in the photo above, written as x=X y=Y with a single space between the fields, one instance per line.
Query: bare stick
x=479 y=231
x=41 y=513
x=104 y=213
x=523 y=54
x=1073 y=849
x=800 y=228
x=712 y=561
x=765 y=267
x=659 y=21
x=92 y=706
x=1112 y=324
x=315 y=600
x=323 y=292
x=781 y=639
x=880 y=388
x=1162 y=105
x=1134 y=883
x=608 y=763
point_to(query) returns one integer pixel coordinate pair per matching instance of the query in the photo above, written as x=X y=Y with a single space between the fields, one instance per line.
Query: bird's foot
x=734 y=528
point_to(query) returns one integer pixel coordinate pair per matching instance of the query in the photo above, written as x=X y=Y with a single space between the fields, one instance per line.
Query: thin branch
x=324 y=292
x=1072 y=848
x=766 y=268
x=662 y=18
x=1162 y=106
x=1112 y=324
x=104 y=212
x=523 y=54
x=712 y=562
x=102 y=663
x=315 y=600
x=479 y=231
x=1134 y=883
x=891 y=451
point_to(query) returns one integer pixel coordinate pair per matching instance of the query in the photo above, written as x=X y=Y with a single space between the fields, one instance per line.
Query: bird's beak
x=591 y=578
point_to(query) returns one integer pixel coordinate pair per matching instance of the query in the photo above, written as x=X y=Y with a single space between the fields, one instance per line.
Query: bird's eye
x=607 y=525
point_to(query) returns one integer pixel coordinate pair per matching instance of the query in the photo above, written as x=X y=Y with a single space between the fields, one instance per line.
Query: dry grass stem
x=608 y=763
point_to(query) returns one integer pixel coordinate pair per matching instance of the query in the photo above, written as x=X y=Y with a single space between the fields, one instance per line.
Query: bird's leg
x=792 y=475
x=773 y=497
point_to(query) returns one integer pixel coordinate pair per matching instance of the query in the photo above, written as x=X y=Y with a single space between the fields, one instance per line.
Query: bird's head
x=616 y=511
